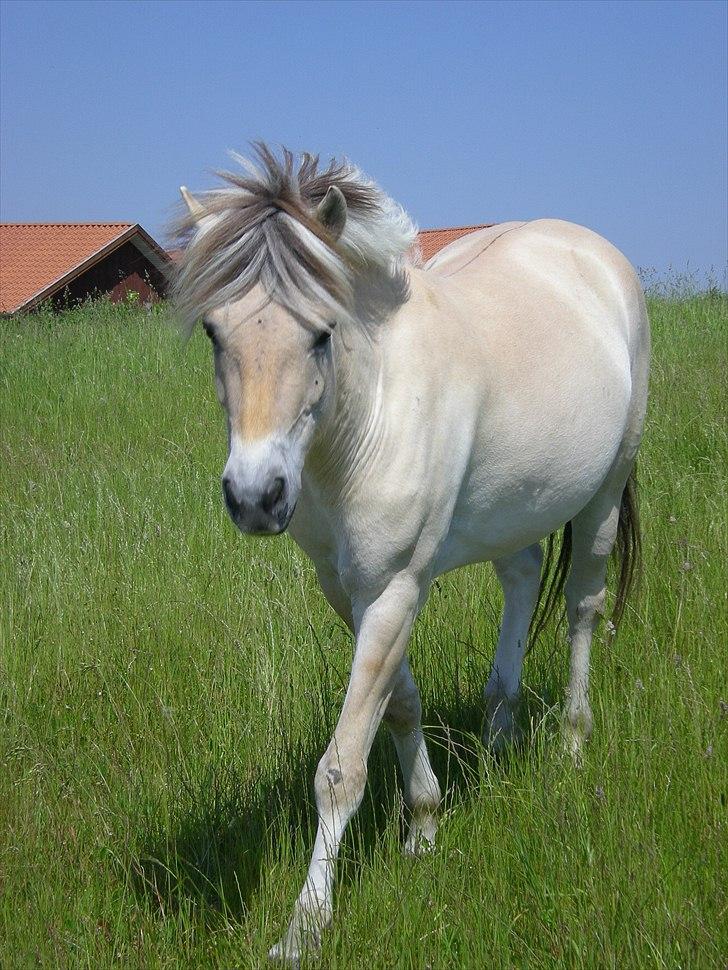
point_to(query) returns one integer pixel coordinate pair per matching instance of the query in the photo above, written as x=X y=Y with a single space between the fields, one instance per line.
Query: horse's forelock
x=260 y=226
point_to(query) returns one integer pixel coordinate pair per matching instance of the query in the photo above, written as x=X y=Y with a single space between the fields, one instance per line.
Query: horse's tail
x=554 y=573
x=628 y=547
x=555 y=570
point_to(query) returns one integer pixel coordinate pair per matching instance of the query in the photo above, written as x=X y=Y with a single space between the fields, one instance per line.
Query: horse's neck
x=351 y=424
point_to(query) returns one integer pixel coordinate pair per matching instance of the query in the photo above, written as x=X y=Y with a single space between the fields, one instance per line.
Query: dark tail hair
x=555 y=570
x=628 y=547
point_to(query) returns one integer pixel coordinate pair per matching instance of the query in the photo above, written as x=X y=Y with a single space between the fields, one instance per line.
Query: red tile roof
x=433 y=240
x=37 y=259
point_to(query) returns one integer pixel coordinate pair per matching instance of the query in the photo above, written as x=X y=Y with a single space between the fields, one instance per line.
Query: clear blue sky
x=609 y=114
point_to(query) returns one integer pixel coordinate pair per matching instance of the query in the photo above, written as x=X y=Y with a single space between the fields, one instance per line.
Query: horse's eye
x=322 y=341
x=209 y=330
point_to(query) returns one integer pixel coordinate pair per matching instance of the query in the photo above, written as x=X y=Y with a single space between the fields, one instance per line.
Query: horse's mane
x=260 y=227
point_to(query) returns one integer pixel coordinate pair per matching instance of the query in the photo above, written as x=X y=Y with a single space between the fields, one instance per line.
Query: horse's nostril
x=227 y=491
x=273 y=494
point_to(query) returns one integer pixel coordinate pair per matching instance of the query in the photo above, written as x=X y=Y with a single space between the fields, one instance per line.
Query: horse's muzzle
x=258 y=512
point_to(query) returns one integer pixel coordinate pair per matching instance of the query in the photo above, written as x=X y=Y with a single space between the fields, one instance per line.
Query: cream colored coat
x=505 y=398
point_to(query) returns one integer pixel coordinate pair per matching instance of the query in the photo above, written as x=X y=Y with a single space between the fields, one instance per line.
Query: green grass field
x=167 y=687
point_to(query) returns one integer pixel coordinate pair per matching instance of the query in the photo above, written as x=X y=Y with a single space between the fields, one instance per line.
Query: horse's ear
x=331 y=211
x=196 y=210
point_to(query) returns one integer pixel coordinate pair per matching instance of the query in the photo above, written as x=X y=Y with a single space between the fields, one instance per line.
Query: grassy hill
x=167 y=687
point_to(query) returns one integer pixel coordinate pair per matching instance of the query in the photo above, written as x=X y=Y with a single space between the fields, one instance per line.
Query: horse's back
x=458 y=254
x=547 y=262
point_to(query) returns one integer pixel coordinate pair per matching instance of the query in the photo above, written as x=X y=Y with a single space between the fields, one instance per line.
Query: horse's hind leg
x=421 y=790
x=519 y=576
x=593 y=534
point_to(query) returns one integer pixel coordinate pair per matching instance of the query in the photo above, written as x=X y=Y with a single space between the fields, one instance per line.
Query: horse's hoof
x=418 y=845
x=302 y=938
x=279 y=956
x=502 y=733
x=501 y=743
x=572 y=740
x=576 y=728
x=422 y=830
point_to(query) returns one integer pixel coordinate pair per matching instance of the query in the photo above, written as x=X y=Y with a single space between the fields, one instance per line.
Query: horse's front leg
x=382 y=631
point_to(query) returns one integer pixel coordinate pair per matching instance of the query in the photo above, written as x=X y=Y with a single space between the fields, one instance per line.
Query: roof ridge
x=477 y=225
x=77 y=225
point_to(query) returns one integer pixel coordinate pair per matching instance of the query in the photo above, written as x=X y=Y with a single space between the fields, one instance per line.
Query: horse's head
x=271 y=261
x=272 y=374
x=273 y=369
